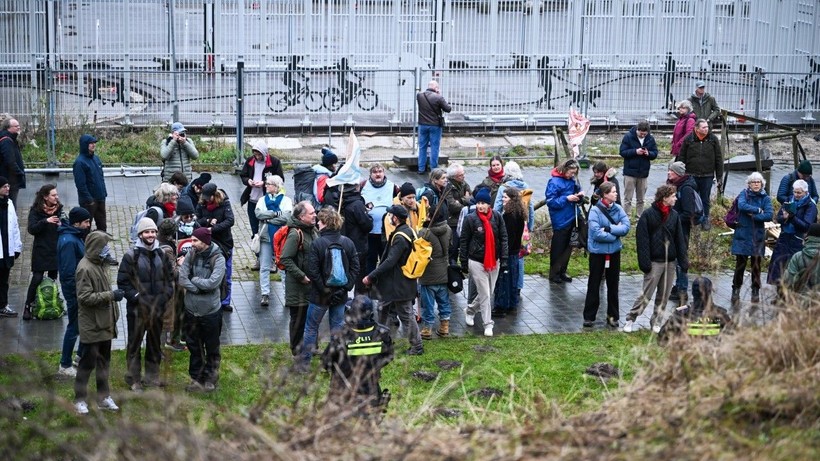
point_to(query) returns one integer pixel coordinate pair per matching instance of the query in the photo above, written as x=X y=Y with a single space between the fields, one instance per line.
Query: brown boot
x=426 y=333
x=444 y=328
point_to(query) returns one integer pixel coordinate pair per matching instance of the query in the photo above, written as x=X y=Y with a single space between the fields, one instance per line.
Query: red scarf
x=490 y=260
x=170 y=208
x=664 y=209
x=211 y=206
x=606 y=202
x=496 y=177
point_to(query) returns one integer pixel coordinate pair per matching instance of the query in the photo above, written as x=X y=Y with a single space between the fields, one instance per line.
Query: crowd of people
x=369 y=238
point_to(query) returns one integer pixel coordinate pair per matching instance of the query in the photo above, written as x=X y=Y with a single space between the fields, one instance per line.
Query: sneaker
x=566 y=278
x=8 y=312
x=108 y=404
x=588 y=324
x=227 y=308
x=628 y=326
x=426 y=333
x=656 y=329
x=208 y=387
x=612 y=322
x=415 y=351
x=469 y=319
x=488 y=330
x=68 y=372
x=265 y=300
x=81 y=408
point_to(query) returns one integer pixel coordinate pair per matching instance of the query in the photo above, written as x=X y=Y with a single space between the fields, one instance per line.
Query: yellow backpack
x=421 y=252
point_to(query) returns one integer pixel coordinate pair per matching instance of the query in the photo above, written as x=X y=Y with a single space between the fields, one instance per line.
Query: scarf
x=50 y=210
x=378 y=184
x=496 y=177
x=211 y=206
x=170 y=208
x=490 y=260
x=606 y=203
x=664 y=209
x=272 y=203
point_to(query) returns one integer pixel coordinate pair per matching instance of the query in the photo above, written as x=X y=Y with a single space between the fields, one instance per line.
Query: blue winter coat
x=602 y=241
x=637 y=166
x=785 y=192
x=88 y=174
x=520 y=185
x=562 y=211
x=754 y=209
x=799 y=221
x=70 y=250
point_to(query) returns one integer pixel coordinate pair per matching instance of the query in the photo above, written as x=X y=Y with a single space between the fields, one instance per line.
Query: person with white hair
x=795 y=217
x=684 y=125
x=749 y=240
x=273 y=211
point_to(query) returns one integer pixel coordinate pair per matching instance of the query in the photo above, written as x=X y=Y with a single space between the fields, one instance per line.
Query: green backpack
x=48 y=304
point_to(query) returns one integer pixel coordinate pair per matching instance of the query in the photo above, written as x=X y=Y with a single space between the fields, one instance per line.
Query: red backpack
x=279 y=239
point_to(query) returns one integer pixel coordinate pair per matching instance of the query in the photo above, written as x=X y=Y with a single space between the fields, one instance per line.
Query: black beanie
x=814 y=230
x=406 y=189
x=78 y=214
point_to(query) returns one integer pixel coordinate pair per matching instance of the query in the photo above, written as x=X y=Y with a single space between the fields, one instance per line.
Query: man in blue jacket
x=70 y=250
x=90 y=182
x=638 y=148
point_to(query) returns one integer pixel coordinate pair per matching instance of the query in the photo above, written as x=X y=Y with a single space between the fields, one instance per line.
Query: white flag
x=350 y=173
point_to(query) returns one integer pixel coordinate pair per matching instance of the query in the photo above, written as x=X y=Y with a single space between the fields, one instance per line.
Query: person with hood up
x=683 y=127
x=146 y=275
x=515 y=178
x=273 y=211
x=214 y=212
x=256 y=168
x=44 y=221
x=177 y=150
x=690 y=216
x=11 y=159
x=90 y=182
x=754 y=209
x=704 y=104
x=638 y=149
x=10 y=246
x=98 y=312
x=563 y=197
x=802 y=273
x=794 y=217
x=70 y=251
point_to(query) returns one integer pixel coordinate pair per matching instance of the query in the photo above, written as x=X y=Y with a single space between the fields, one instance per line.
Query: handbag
x=580 y=233
x=526 y=245
x=455 y=279
x=256 y=243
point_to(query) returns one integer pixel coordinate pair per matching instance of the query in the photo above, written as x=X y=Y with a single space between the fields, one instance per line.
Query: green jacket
x=97 y=310
x=294 y=258
x=706 y=107
x=803 y=270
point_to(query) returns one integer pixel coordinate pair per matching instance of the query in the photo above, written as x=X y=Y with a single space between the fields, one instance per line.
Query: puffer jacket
x=221 y=231
x=702 y=158
x=201 y=281
x=660 y=241
x=601 y=240
x=321 y=294
x=146 y=275
x=390 y=284
x=637 y=166
x=754 y=210
x=294 y=258
x=88 y=174
x=803 y=270
x=97 y=311
x=683 y=127
x=44 y=250
x=520 y=186
x=472 y=244
x=177 y=157
x=439 y=237
x=456 y=200
x=562 y=211
x=799 y=221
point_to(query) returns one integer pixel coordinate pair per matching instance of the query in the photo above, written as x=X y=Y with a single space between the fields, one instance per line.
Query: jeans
x=228 y=274
x=265 y=263
x=315 y=314
x=705 y=191
x=430 y=295
x=202 y=338
x=682 y=280
x=97 y=357
x=252 y=217
x=429 y=135
x=72 y=330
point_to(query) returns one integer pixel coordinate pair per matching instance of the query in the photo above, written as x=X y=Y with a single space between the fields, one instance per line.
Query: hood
x=85 y=140
x=351 y=194
x=5 y=133
x=811 y=247
x=555 y=173
x=517 y=183
x=94 y=244
x=139 y=244
x=152 y=201
x=439 y=228
x=293 y=222
x=69 y=229
x=320 y=169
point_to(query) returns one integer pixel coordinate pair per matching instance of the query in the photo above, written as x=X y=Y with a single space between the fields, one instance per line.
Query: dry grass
x=752 y=394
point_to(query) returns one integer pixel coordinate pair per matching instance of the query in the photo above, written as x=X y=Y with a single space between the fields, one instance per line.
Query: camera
x=182 y=135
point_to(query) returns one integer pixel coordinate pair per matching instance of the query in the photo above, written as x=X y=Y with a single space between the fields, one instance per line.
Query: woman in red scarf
x=483 y=250
x=494 y=179
x=43 y=222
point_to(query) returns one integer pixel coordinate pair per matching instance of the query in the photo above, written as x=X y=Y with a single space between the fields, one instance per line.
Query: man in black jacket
x=11 y=160
x=431 y=105
x=703 y=158
x=357 y=226
x=396 y=291
x=690 y=214
x=660 y=245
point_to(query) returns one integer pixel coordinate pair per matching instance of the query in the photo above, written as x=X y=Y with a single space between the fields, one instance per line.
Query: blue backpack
x=336 y=264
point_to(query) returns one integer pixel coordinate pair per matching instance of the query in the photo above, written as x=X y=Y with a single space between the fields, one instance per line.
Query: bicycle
x=366 y=98
x=279 y=101
x=806 y=87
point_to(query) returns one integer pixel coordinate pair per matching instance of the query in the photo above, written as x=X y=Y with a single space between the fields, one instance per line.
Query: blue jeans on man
x=429 y=135
x=72 y=331
x=430 y=296
x=315 y=314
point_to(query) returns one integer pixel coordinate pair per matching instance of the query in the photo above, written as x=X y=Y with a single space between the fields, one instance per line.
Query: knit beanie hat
x=145 y=224
x=203 y=179
x=78 y=214
x=184 y=206
x=203 y=234
x=483 y=195
x=804 y=167
x=814 y=230
x=3 y=181
x=406 y=189
x=329 y=158
x=679 y=168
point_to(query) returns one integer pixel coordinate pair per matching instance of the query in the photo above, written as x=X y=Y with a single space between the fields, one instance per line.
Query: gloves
x=607 y=229
x=464 y=270
x=16 y=254
x=118 y=295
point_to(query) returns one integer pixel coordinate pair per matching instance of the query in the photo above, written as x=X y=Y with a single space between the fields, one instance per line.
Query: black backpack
x=303 y=179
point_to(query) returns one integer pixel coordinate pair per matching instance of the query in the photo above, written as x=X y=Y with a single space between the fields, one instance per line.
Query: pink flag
x=578 y=128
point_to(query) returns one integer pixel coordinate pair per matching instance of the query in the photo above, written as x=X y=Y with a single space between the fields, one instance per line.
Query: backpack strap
x=604 y=211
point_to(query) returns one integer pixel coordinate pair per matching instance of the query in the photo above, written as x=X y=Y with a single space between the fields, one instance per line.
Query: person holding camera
x=431 y=120
x=177 y=151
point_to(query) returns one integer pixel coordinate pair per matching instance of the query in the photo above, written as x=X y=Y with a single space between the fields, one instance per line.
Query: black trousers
x=298 y=318
x=36 y=279
x=97 y=356
x=5 y=273
x=97 y=211
x=560 y=251
x=202 y=338
x=375 y=247
x=143 y=324
x=740 y=269
x=597 y=272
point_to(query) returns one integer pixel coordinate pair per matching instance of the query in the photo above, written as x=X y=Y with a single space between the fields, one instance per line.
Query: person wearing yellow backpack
x=417 y=210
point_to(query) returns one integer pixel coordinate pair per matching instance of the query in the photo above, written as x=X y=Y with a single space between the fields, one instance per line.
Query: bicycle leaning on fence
x=279 y=101
x=366 y=98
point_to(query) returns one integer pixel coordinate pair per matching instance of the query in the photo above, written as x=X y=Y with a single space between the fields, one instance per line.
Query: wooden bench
x=411 y=161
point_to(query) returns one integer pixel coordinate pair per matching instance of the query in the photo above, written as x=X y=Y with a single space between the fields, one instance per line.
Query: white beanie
x=145 y=224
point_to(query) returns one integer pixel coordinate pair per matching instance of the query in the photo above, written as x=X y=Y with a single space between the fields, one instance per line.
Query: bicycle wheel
x=278 y=101
x=314 y=101
x=334 y=99
x=367 y=99
x=798 y=98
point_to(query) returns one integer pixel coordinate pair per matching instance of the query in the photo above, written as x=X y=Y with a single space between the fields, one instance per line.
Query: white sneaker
x=81 y=407
x=488 y=330
x=656 y=329
x=69 y=372
x=469 y=319
x=108 y=404
x=628 y=326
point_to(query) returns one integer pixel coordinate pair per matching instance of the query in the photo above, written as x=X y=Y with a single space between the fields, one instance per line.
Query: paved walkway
x=547 y=308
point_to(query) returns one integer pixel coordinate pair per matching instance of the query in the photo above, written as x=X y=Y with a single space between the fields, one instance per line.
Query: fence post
x=758 y=93
x=240 y=129
x=172 y=41
x=417 y=77
x=51 y=127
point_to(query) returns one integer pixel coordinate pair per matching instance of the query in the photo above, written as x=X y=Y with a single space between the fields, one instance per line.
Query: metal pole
x=758 y=92
x=172 y=42
x=240 y=129
x=416 y=109
x=52 y=128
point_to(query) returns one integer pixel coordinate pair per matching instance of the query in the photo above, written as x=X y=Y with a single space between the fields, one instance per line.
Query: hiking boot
x=488 y=330
x=628 y=326
x=68 y=372
x=735 y=295
x=444 y=328
x=108 y=404
x=8 y=312
x=195 y=386
x=426 y=333
x=415 y=350
x=612 y=322
x=27 y=312
x=265 y=300
x=755 y=295
x=674 y=295
x=81 y=407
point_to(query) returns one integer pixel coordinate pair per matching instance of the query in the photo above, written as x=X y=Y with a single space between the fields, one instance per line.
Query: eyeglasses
x=755 y=182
